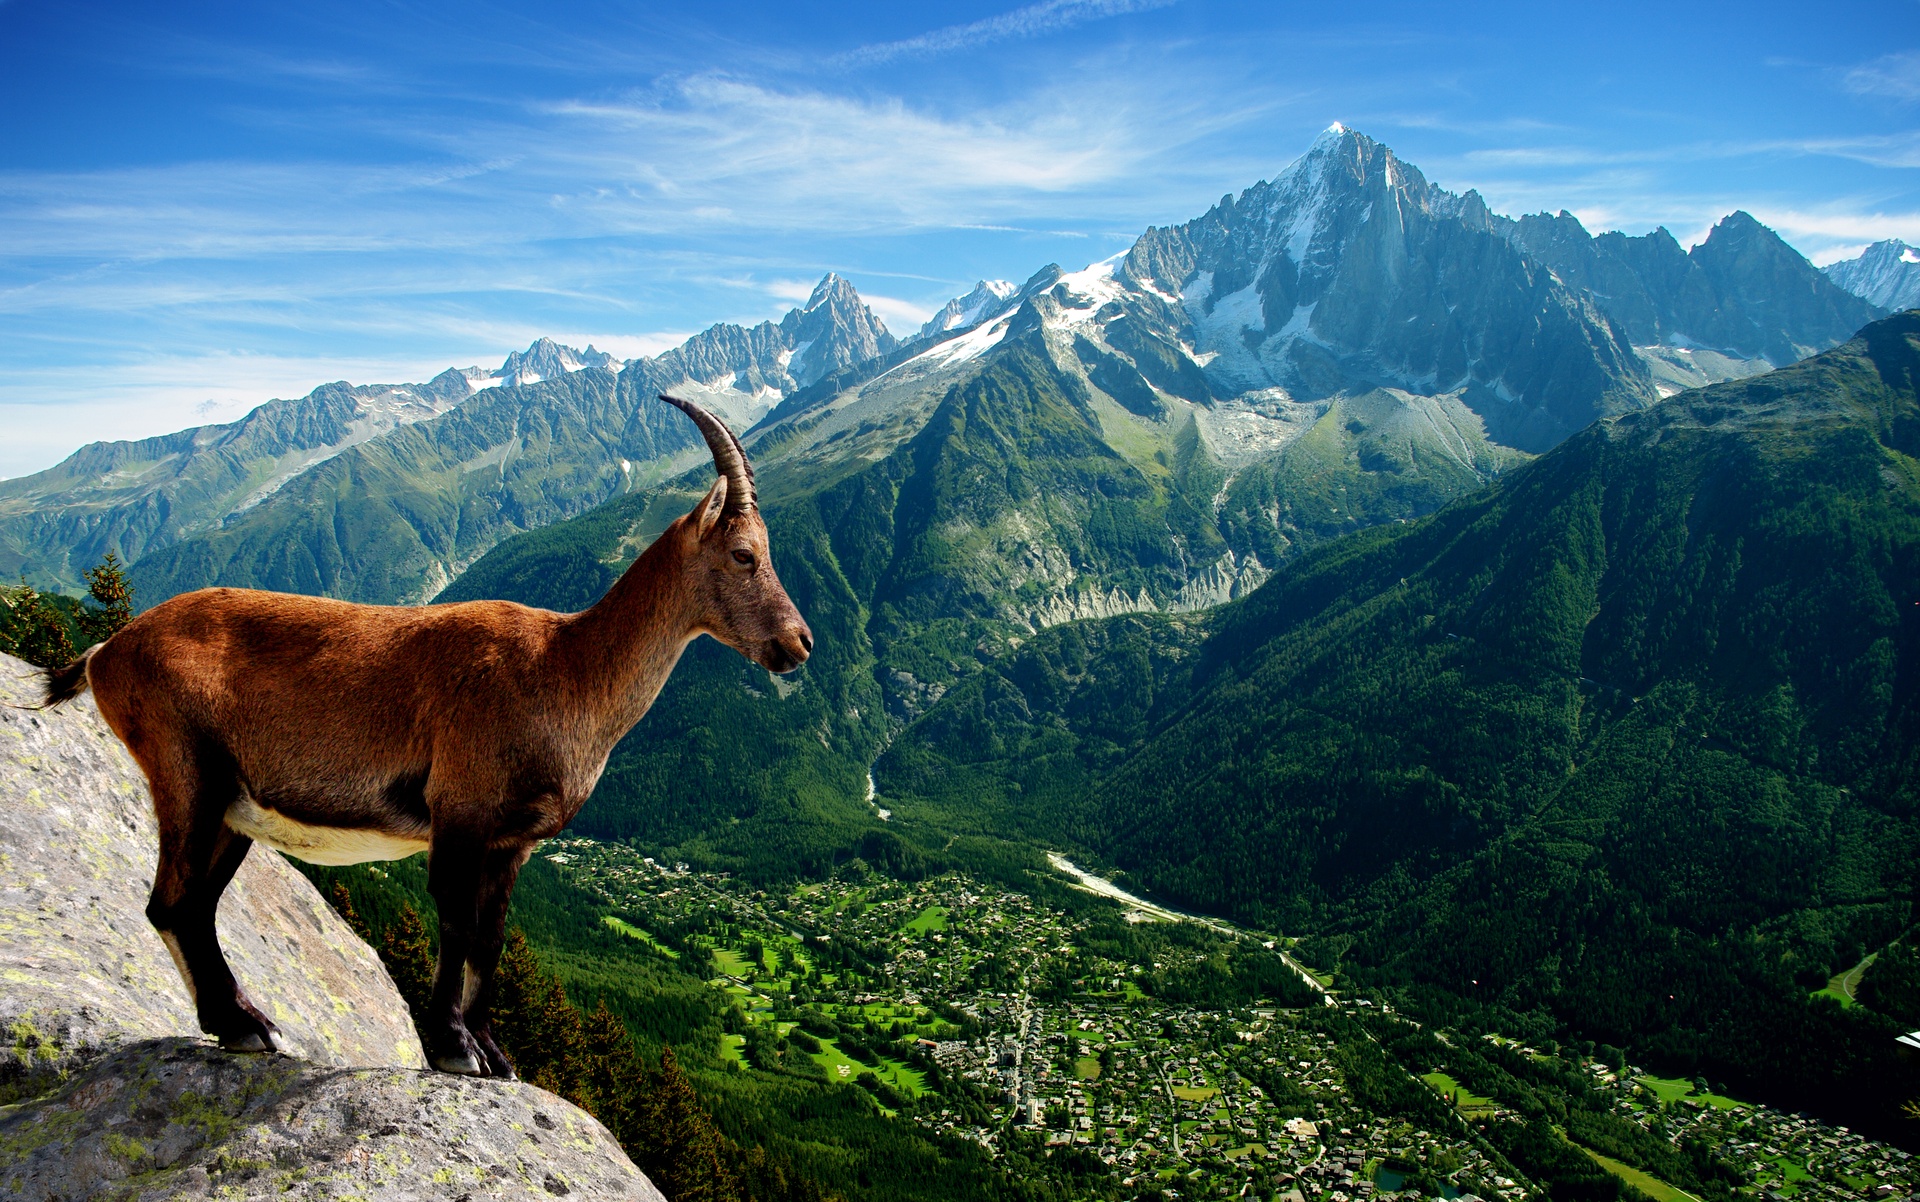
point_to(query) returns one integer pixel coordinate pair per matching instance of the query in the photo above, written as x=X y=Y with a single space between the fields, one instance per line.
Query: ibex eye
x=743 y=557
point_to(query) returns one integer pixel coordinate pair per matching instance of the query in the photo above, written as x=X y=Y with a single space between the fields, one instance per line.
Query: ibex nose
x=790 y=650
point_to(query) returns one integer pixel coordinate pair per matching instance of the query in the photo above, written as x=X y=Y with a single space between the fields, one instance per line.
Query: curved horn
x=729 y=457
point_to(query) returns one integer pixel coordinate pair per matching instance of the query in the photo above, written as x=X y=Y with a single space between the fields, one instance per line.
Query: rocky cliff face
x=124 y=1098
x=1886 y=274
x=1349 y=270
x=83 y=969
x=1743 y=294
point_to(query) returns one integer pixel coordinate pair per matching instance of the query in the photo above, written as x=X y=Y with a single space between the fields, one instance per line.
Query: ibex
x=342 y=733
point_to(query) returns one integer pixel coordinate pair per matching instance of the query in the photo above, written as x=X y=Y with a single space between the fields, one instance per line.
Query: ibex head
x=745 y=606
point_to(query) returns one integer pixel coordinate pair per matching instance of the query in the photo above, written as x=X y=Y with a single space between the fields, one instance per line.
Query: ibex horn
x=729 y=457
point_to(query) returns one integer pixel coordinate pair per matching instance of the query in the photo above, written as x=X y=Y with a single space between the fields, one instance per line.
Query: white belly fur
x=318 y=844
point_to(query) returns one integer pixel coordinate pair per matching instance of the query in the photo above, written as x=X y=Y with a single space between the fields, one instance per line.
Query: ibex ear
x=706 y=515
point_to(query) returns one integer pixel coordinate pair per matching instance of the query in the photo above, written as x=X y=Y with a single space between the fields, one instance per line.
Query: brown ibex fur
x=342 y=733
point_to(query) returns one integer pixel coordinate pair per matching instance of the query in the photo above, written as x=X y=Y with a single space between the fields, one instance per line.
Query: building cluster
x=1189 y=1101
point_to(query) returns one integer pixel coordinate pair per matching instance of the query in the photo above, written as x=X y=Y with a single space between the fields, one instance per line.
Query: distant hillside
x=1630 y=740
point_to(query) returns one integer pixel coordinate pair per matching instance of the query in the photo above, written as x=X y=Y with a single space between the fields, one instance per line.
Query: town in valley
x=1176 y=1056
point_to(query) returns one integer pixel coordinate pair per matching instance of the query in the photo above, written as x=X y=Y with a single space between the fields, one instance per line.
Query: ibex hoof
x=465 y=1064
x=251 y=1041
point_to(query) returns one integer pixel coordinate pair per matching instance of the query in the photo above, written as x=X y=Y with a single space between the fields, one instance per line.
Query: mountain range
x=1525 y=614
x=1098 y=443
x=386 y=492
x=1423 y=341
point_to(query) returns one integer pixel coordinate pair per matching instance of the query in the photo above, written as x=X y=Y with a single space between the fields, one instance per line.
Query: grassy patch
x=1669 y=1090
x=1840 y=986
x=1666 y=1089
x=933 y=918
x=730 y=961
x=1192 y=1093
x=1646 y=1183
x=627 y=928
x=1086 y=1068
x=1464 y=1099
x=838 y=1065
x=1792 y=1174
x=845 y=1069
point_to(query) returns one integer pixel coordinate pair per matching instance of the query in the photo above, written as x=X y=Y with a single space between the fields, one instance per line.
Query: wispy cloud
x=1049 y=16
x=1840 y=224
x=1892 y=75
x=740 y=150
x=903 y=317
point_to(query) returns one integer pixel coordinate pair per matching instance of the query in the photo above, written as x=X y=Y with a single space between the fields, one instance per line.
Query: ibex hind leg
x=454 y=868
x=198 y=856
x=483 y=956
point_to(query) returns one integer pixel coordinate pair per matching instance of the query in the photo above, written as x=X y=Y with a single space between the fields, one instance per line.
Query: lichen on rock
x=178 y=1118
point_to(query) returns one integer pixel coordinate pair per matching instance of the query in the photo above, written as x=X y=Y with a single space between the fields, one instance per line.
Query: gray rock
x=125 y=1099
x=81 y=970
x=178 y=1118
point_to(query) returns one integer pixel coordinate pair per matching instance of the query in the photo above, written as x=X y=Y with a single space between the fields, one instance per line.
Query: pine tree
x=680 y=1148
x=408 y=955
x=343 y=905
x=112 y=599
x=31 y=628
x=535 y=1024
x=615 y=1075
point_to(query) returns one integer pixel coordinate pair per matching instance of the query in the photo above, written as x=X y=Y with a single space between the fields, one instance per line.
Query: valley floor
x=983 y=1013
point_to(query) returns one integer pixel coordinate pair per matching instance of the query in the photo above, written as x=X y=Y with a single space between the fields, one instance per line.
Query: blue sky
x=205 y=205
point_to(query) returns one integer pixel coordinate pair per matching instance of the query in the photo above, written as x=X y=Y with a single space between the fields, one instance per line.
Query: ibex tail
x=64 y=684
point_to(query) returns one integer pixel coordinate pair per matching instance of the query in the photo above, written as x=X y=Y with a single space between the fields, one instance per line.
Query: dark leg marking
x=454 y=871
x=483 y=957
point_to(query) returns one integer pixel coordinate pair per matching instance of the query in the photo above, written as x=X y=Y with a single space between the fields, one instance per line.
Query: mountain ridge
x=203 y=487
x=1626 y=741
x=1886 y=274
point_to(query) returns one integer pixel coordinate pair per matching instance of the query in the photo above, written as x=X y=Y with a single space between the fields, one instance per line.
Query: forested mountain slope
x=133 y=497
x=1154 y=434
x=1629 y=739
x=396 y=518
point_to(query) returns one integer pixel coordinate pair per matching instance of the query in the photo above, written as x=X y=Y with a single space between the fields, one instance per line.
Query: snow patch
x=1237 y=311
x=1088 y=289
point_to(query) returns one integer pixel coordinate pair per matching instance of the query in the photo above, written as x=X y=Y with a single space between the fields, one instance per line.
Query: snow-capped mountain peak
x=989 y=298
x=1886 y=274
x=545 y=359
x=830 y=287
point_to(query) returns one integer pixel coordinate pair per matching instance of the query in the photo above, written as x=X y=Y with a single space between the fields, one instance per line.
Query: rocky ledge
x=178 y=1118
